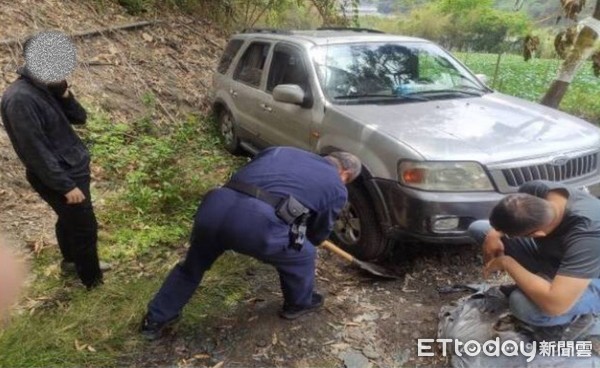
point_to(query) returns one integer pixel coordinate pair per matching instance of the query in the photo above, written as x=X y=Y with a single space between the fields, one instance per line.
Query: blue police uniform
x=228 y=219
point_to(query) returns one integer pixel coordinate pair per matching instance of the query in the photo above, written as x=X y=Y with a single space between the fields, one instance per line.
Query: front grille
x=572 y=169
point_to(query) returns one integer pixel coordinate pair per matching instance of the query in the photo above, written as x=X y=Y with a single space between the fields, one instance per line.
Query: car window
x=252 y=63
x=437 y=71
x=228 y=55
x=391 y=70
x=287 y=67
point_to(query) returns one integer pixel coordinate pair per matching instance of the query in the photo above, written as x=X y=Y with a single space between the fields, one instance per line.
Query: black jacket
x=38 y=124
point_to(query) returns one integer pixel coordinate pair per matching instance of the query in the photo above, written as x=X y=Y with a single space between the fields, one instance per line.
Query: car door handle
x=233 y=93
x=266 y=107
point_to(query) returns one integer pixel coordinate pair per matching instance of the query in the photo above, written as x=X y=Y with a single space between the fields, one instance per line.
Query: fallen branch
x=93 y=33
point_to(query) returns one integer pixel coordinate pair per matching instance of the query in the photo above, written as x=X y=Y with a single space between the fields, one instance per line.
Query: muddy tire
x=228 y=132
x=357 y=229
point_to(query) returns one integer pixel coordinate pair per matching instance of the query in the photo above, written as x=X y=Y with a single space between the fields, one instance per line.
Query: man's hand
x=75 y=196
x=492 y=246
x=496 y=264
x=59 y=89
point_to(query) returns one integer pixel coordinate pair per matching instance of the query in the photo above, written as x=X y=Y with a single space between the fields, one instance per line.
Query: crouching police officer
x=273 y=209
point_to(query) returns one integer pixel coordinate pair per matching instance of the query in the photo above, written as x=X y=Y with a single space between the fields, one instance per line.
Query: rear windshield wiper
x=386 y=97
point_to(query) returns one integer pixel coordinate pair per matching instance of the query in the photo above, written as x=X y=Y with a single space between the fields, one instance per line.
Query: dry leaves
x=83 y=347
x=147 y=37
x=572 y=7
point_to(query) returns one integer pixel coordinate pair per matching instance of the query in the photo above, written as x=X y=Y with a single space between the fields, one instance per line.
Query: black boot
x=293 y=312
x=152 y=330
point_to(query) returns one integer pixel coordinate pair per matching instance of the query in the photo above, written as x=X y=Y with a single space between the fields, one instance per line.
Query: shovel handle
x=335 y=249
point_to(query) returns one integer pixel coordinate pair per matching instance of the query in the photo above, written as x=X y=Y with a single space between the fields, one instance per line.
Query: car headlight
x=444 y=176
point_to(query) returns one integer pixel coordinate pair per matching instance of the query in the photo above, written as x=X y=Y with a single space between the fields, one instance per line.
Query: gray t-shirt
x=574 y=246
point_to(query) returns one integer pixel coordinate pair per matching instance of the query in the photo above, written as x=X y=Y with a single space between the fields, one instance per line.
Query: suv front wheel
x=227 y=129
x=356 y=229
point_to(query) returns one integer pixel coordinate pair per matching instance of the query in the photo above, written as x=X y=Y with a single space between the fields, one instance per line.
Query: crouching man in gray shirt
x=547 y=238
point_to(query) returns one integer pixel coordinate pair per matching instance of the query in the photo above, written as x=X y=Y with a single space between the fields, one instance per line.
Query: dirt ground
x=365 y=321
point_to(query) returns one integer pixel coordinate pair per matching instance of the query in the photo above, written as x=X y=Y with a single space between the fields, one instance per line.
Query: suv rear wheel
x=227 y=129
x=356 y=229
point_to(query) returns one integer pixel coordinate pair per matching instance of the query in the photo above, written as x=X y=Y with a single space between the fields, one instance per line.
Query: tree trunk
x=584 y=47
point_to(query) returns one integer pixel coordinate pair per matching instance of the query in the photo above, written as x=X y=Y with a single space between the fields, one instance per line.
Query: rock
x=336 y=348
x=261 y=343
x=372 y=316
x=354 y=359
x=416 y=335
x=402 y=357
x=370 y=353
x=354 y=334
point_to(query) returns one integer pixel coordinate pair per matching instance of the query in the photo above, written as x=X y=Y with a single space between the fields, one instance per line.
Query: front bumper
x=417 y=214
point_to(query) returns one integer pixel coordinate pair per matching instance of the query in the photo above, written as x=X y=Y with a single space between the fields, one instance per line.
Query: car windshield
x=415 y=71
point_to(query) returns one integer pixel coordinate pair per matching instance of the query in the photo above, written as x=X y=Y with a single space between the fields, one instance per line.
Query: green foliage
x=480 y=27
x=299 y=15
x=459 y=24
x=137 y=6
x=531 y=80
x=462 y=6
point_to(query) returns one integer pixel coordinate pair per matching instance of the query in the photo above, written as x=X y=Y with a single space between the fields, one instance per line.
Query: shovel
x=369 y=267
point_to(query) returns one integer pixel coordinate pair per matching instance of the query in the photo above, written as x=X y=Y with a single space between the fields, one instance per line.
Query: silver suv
x=439 y=147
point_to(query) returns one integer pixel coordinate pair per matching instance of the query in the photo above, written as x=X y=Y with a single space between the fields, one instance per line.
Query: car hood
x=491 y=128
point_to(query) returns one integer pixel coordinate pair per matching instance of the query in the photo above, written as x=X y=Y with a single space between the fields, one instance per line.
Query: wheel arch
x=218 y=107
x=366 y=181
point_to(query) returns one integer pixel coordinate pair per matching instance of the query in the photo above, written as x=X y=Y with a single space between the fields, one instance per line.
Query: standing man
x=547 y=238
x=275 y=209
x=37 y=113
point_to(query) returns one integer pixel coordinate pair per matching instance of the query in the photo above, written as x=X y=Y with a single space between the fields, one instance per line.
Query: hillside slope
x=171 y=61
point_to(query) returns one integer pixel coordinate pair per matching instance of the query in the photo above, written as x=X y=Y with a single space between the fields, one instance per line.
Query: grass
x=530 y=80
x=68 y=326
x=149 y=180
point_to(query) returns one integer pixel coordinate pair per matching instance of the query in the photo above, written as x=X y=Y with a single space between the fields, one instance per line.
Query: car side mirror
x=289 y=93
x=482 y=78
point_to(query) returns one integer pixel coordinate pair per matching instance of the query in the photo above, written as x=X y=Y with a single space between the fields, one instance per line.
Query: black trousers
x=76 y=228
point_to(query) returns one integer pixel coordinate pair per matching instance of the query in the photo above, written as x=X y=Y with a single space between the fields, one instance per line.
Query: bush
x=461 y=24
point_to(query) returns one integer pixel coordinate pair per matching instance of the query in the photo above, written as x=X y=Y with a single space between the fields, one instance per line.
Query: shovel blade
x=375 y=269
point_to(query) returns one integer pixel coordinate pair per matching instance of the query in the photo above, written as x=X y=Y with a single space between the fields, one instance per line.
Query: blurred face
x=12 y=275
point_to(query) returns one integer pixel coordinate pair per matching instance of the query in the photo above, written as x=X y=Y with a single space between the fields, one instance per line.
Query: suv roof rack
x=267 y=30
x=353 y=29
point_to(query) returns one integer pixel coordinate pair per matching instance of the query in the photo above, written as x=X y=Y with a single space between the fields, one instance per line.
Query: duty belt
x=290 y=210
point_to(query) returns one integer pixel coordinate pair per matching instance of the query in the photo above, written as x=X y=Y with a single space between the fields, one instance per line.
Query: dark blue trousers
x=228 y=220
